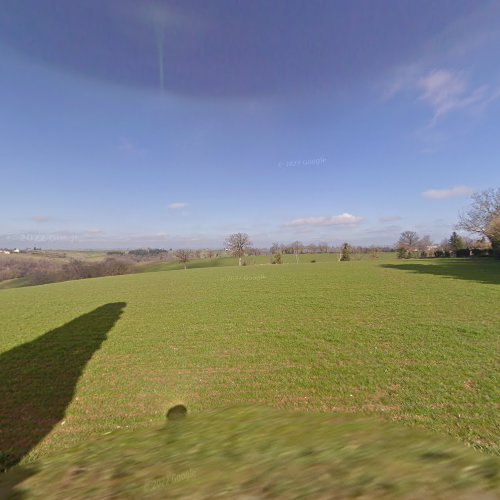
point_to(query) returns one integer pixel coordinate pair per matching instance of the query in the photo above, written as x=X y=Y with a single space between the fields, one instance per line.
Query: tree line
x=481 y=219
x=39 y=270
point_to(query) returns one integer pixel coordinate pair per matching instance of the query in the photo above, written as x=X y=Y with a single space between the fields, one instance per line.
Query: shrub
x=439 y=253
x=482 y=252
x=462 y=252
x=345 y=254
x=276 y=259
x=403 y=253
x=114 y=267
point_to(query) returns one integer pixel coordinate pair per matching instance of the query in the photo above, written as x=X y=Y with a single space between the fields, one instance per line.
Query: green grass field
x=415 y=342
x=256 y=260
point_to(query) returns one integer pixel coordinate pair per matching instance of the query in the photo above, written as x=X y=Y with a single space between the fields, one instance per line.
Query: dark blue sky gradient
x=226 y=48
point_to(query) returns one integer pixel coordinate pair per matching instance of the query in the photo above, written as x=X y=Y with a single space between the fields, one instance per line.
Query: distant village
x=9 y=251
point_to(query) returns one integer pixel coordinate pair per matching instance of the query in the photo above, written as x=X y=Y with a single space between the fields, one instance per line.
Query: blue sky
x=160 y=123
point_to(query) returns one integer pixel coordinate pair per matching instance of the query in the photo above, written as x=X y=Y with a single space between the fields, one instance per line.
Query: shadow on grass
x=482 y=270
x=38 y=379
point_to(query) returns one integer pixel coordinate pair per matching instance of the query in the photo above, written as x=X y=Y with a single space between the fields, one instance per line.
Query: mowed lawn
x=412 y=341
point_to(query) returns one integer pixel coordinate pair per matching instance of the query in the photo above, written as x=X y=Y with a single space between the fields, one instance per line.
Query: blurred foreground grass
x=252 y=452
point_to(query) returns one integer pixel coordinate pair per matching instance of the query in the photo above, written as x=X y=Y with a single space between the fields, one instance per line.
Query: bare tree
x=312 y=248
x=183 y=255
x=297 y=248
x=374 y=251
x=469 y=242
x=323 y=247
x=408 y=240
x=424 y=243
x=425 y=246
x=237 y=244
x=484 y=210
x=275 y=248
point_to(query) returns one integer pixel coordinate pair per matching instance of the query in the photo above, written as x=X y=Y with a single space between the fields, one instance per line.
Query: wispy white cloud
x=442 y=194
x=446 y=91
x=177 y=205
x=443 y=90
x=333 y=220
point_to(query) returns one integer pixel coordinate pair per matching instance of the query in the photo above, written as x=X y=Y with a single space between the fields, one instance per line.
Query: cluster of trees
x=39 y=271
x=182 y=255
x=410 y=244
x=78 y=269
x=299 y=247
x=20 y=267
x=482 y=219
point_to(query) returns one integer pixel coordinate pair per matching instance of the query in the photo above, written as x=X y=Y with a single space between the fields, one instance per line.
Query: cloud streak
x=177 y=205
x=443 y=194
x=442 y=90
x=446 y=91
x=333 y=220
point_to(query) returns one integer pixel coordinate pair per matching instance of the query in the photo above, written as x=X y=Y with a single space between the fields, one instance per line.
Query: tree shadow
x=38 y=379
x=482 y=270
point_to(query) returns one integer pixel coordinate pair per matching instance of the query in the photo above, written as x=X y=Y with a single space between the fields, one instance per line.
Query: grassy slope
x=58 y=257
x=259 y=453
x=14 y=283
x=415 y=342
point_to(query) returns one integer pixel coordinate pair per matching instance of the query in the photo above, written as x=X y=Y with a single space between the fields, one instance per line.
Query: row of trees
x=299 y=247
x=239 y=243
